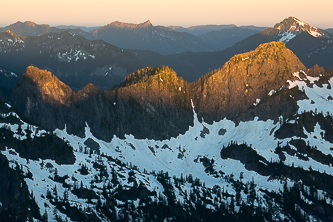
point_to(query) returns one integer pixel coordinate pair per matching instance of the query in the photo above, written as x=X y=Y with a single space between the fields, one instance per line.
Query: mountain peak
x=28 y=24
x=294 y=26
x=243 y=79
x=51 y=89
x=145 y=24
x=10 y=34
x=29 y=28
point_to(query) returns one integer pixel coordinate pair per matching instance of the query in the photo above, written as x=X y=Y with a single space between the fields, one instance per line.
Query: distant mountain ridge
x=201 y=29
x=164 y=40
x=224 y=38
x=145 y=36
x=84 y=28
x=290 y=27
x=71 y=57
x=204 y=29
x=29 y=28
x=123 y=25
x=17 y=54
x=311 y=49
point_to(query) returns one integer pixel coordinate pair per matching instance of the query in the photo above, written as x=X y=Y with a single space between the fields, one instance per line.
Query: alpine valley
x=90 y=131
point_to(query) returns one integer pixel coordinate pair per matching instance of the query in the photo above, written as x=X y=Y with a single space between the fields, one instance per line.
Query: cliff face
x=156 y=107
x=244 y=79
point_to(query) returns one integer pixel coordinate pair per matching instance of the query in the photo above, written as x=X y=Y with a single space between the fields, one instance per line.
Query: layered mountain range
x=251 y=140
x=71 y=57
x=29 y=28
x=93 y=132
x=78 y=61
x=148 y=37
x=145 y=36
x=312 y=45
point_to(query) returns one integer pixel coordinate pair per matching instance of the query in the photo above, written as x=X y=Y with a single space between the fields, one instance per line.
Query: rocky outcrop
x=235 y=87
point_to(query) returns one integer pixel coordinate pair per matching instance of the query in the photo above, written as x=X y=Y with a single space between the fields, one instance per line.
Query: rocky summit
x=243 y=80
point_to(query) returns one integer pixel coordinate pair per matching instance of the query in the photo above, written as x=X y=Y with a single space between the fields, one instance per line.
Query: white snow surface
x=271 y=92
x=286 y=36
x=318 y=96
x=315 y=33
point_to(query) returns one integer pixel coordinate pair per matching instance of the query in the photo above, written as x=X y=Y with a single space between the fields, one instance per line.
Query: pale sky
x=171 y=12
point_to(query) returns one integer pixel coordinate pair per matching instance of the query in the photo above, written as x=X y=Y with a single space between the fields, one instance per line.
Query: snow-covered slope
x=193 y=171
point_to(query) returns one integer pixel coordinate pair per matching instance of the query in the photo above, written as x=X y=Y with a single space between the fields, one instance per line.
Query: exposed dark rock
x=222 y=131
x=84 y=193
x=93 y=145
x=44 y=147
x=204 y=131
x=288 y=130
x=17 y=204
x=253 y=161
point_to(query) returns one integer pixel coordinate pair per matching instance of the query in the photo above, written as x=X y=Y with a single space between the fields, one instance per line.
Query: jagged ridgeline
x=156 y=103
x=151 y=103
x=234 y=88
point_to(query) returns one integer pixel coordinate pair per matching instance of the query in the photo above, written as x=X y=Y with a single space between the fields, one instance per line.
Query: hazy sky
x=171 y=12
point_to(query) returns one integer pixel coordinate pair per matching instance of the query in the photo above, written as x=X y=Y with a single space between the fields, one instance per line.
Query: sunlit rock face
x=243 y=80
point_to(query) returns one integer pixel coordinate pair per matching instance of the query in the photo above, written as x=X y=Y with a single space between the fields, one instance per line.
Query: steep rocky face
x=244 y=79
x=155 y=107
x=43 y=98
